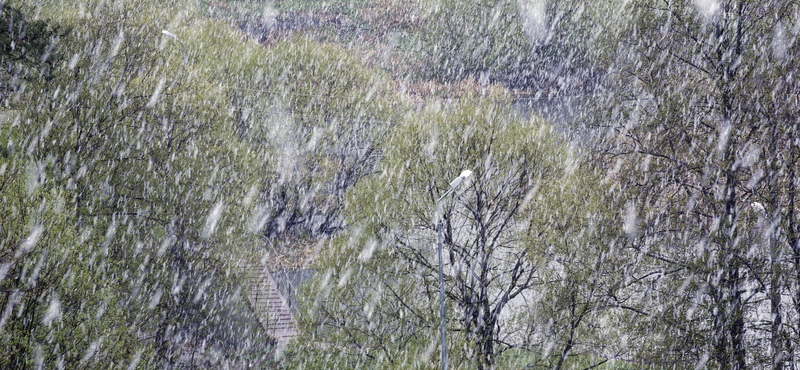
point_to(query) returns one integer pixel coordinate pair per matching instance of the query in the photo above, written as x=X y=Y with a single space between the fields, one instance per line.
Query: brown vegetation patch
x=390 y=15
x=421 y=92
x=292 y=253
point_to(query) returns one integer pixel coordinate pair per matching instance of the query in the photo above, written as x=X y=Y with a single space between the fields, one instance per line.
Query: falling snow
x=267 y=184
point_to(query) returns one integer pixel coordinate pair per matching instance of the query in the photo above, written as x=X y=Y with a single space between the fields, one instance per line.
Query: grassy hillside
x=380 y=31
x=416 y=41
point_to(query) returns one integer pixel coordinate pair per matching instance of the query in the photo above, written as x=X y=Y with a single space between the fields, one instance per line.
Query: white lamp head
x=169 y=34
x=455 y=183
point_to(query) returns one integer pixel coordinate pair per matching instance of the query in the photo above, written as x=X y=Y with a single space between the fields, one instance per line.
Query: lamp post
x=453 y=184
x=172 y=36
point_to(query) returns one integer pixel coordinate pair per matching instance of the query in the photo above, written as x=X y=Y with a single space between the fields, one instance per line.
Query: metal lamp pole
x=172 y=36
x=453 y=184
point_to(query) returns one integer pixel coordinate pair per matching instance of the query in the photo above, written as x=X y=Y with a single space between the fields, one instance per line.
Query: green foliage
x=475 y=39
x=582 y=251
x=520 y=359
x=136 y=151
x=547 y=46
x=29 y=50
x=376 y=291
x=138 y=173
x=708 y=169
x=59 y=304
x=167 y=162
x=323 y=115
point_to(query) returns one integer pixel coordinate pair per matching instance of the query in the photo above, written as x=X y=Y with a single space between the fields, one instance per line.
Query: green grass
x=375 y=29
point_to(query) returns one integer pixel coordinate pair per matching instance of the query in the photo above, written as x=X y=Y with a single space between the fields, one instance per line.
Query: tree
x=323 y=114
x=56 y=303
x=580 y=315
x=703 y=129
x=377 y=289
x=136 y=152
x=569 y=41
x=29 y=49
x=545 y=47
x=461 y=39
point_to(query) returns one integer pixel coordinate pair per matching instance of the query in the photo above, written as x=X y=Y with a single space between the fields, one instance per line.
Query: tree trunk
x=486 y=345
x=777 y=340
x=792 y=229
x=737 y=330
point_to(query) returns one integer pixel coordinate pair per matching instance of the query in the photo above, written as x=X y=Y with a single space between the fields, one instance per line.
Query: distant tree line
x=137 y=181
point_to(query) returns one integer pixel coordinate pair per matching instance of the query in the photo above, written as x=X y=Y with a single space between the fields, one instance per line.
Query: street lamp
x=172 y=36
x=453 y=184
